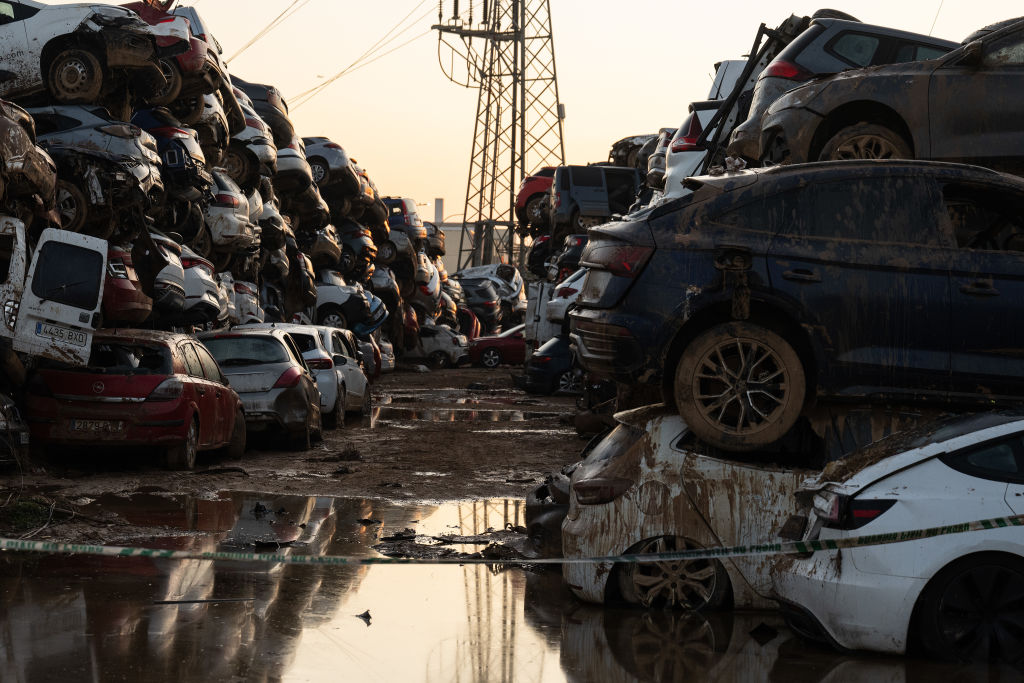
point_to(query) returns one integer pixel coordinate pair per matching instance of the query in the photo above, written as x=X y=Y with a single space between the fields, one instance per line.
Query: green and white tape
x=781 y=548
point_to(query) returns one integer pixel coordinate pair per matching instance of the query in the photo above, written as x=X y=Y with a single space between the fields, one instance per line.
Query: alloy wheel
x=490 y=358
x=866 y=147
x=690 y=584
x=980 y=614
x=740 y=384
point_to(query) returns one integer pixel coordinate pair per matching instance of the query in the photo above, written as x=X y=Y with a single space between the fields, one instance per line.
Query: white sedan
x=566 y=293
x=957 y=596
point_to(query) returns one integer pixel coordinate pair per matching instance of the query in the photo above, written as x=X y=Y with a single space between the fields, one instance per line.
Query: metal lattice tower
x=518 y=117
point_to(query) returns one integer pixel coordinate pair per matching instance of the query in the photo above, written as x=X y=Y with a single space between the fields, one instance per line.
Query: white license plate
x=98 y=426
x=58 y=333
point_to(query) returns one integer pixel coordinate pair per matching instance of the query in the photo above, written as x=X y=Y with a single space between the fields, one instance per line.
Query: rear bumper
x=606 y=346
x=127 y=424
x=285 y=409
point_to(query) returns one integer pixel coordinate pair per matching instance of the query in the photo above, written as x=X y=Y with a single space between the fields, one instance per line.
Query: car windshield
x=113 y=358
x=246 y=350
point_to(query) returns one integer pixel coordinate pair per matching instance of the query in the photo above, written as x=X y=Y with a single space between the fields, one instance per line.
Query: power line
x=936 y=17
x=277 y=21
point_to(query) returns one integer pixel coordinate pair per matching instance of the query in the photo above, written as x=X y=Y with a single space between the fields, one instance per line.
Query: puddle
x=90 y=618
x=392 y=412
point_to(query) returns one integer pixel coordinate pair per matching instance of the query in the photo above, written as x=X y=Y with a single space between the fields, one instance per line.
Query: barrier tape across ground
x=782 y=548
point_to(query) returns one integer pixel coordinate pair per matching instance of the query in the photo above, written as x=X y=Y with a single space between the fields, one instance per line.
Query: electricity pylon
x=518 y=115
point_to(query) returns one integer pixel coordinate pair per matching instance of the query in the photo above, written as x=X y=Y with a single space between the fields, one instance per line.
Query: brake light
x=319 y=364
x=425 y=289
x=601 y=490
x=121 y=130
x=540 y=360
x=171 y=132
x=333 y=145
x=254 y=123
x=564 y=273
x=187 y=263
x=558 y=200
x=786 y=70
x=489 y=304
x=566 y=292
x=622 y=260
x=577 y=241
x=244 y=289
x=860 y=512
x=168 y=390
x=226 y=201
x=687 y=142
x=289 y=378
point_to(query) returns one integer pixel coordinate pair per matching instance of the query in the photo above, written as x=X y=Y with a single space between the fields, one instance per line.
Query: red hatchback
x=532 y=198
x=507 y=347
x=141 y=387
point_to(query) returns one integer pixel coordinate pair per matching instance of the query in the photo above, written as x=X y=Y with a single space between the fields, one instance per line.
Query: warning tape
x=782 y=548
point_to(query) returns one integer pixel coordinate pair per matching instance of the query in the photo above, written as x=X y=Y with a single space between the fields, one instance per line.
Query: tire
x=239 y=164
x=336 y=418
x=347 y=261
x=183 y=456
x=490 y=357
x=172 y=89
x=367 y=406
x=439 y=360
x=236 y=448
x=833 y=14
x=331 y=316
x=75 y=75
x=303 y=439
x=202 y=243
x=686 y=584
x=973 y=610
x=72 y=205
x=865 y=141
x=387 y=252
x=726 y=347
x=567 y=383
x=187 y=109
x=536 y=214
x=321 y=174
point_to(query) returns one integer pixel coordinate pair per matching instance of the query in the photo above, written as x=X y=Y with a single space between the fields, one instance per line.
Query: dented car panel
x=675 y=491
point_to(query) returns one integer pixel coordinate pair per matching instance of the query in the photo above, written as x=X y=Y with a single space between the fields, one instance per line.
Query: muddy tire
x=569 y=382
x=973 y=610
x=336 y=418
x=302 y=440
x=739 y=386
x=239 y=164
x=683 y=584
x=367 y=406
x=202 y=243
x=183 y=455
x=331 y=316
x=439 y=360
x=490 y=358
x=171 y=90
x=535 y=211
x=865 y=141
x=72 y=205
x=347 y=261
x=236 y=448
x=75 y=75
x=187 y=109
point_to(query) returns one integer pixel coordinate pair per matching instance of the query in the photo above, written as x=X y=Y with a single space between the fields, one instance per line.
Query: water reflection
x=98 y=619
x=456 y=414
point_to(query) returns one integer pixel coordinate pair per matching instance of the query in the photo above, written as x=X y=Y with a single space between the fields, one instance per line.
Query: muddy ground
x=445 y=435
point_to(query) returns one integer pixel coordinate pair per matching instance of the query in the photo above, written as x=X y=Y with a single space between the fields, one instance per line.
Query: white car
x=440 y=346
x=202 y=295
x=566 y=293
x=73 y=50
x=957 y=596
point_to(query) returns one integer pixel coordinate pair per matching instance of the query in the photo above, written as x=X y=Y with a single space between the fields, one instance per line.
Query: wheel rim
x=981 y=613
x=568 y=382
x=234 y=164
x=533 y=210
x=73 y=76
x=319 y=172
x=387 y=251
x=689 y=584
x=865 y=147
x=170 y=75
x=741 y=385
x=69 y=208
x=347 y=261
x=334 y=320
x=491 y=358
x=669 y=646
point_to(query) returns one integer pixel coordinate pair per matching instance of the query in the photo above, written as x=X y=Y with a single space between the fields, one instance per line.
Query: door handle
x=801 y=275
x=979 y=288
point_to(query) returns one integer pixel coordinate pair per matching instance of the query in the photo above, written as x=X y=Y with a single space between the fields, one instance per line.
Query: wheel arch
x=852 y=113
x=86 y=41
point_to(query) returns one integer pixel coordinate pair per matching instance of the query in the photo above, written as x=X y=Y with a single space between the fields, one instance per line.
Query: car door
x=14 y=56
x=355 y=380
x=976 y=112
x=986 y=289
x=862 y=264
x=589 y=191
x=202 y=394
x=221 y=400
x=63 y=295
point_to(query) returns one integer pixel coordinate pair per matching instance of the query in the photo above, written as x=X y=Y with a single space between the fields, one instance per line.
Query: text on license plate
x=103 y=426
x=58 y=333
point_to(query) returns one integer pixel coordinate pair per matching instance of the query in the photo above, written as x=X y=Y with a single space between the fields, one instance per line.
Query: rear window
x=586 y=176
x=68 y=274
x=545 y=173
x=305 y=342
x=247 y=350
x=111 y=358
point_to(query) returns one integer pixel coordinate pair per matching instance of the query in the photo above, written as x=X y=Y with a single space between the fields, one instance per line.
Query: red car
x=507 y=347
x=141 y=388
x=123 y=299
x=531 y=202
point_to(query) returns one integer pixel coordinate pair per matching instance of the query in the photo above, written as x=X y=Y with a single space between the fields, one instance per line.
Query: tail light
x=687 y=142
x=540 y=360
x=254 y=123
x=786 y=70
x=116 y=268
x=289 y=378
x=566 y=292
x=844 y=512
x=227 y=201
x=168 y=390
x=187 y=263
x=425 y=289
x=601 y=490
x=320 y=364
x=622 y=260
x=171 y=132
x=558 y=200
x=564 y=273
x=333 y=145
x=577 y=241
x=244 y=289
x=490 y=304
x=121 y=130
x=37 y=387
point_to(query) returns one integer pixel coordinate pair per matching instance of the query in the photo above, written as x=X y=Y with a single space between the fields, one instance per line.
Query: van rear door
x=63 y=295
x=13 y=264
x=589 y=191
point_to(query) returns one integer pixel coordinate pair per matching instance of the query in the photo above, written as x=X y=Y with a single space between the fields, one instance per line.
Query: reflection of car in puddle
x=455 y=414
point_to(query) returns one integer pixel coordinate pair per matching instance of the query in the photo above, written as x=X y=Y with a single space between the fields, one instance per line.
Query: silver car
x=169 y=288
x=227 y=217
x=329 y=162
x=293 y=171
x=202 y=291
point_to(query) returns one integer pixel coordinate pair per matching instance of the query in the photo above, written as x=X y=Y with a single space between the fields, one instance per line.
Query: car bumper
x=606 y=346
x=126 y=424
x=285 y=409
x=786 y=136
x=126 y=48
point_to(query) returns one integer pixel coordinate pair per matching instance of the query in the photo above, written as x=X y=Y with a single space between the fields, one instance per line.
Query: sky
x=624 y=68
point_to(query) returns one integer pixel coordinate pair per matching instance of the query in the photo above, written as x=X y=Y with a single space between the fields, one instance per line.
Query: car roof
x=861 y=27
x=133 y=335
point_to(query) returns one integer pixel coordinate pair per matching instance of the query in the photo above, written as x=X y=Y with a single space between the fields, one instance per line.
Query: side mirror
x=973 y=53
x=339 y=359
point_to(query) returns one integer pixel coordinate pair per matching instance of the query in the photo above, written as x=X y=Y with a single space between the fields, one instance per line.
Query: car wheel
x=303 y=439
x=183 y=455
x=202 y=243
x=367 y=407
x=187 y=110
x=439 y=360
x=535 y=210
x=387 y=252
x=171 y=90
x=686 y=584
x=239 y=164
x=75 y=76
x=865 y=141
x=569 y=382
x=319 y=168
x=72 y=206
x=973 y=610
x=331 y=316
x=347 y=261
x=236 y=448
x=490 y=358
x=336 y=418
x=739 y=386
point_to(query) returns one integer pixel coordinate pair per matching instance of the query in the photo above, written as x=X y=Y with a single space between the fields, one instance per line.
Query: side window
x=856 y=49
x=210 y=367
x=192 y=364
x=914 y=52
x=999 y=460
x=341 y=346
x=985 y=220
x=901 y=210
x=773 y=213
x=294 y=350
x=6 y=12
x=1007 y=51
x=68 y=274
x=587 y=176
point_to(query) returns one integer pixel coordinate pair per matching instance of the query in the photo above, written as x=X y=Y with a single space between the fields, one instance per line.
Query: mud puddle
x=391 y=413
x=88 y=618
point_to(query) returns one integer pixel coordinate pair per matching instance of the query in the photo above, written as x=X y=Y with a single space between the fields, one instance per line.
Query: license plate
x=63 y=334
x=97 y=426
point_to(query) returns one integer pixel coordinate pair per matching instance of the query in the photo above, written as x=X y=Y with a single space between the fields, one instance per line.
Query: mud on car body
x=765 y=291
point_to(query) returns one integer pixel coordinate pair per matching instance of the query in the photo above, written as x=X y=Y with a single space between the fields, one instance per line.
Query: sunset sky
x=624 y=68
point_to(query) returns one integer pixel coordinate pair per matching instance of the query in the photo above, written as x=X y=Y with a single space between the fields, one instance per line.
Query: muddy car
x=251 y=152
x=553 y=369
x=952 y=596
x=80 y=52
x=440 y=346
x=726 y=298
x=185 y=171
x=907 y=111
x=406 y=230
x=583 y=196
x=532 y=199
x=339 y=304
